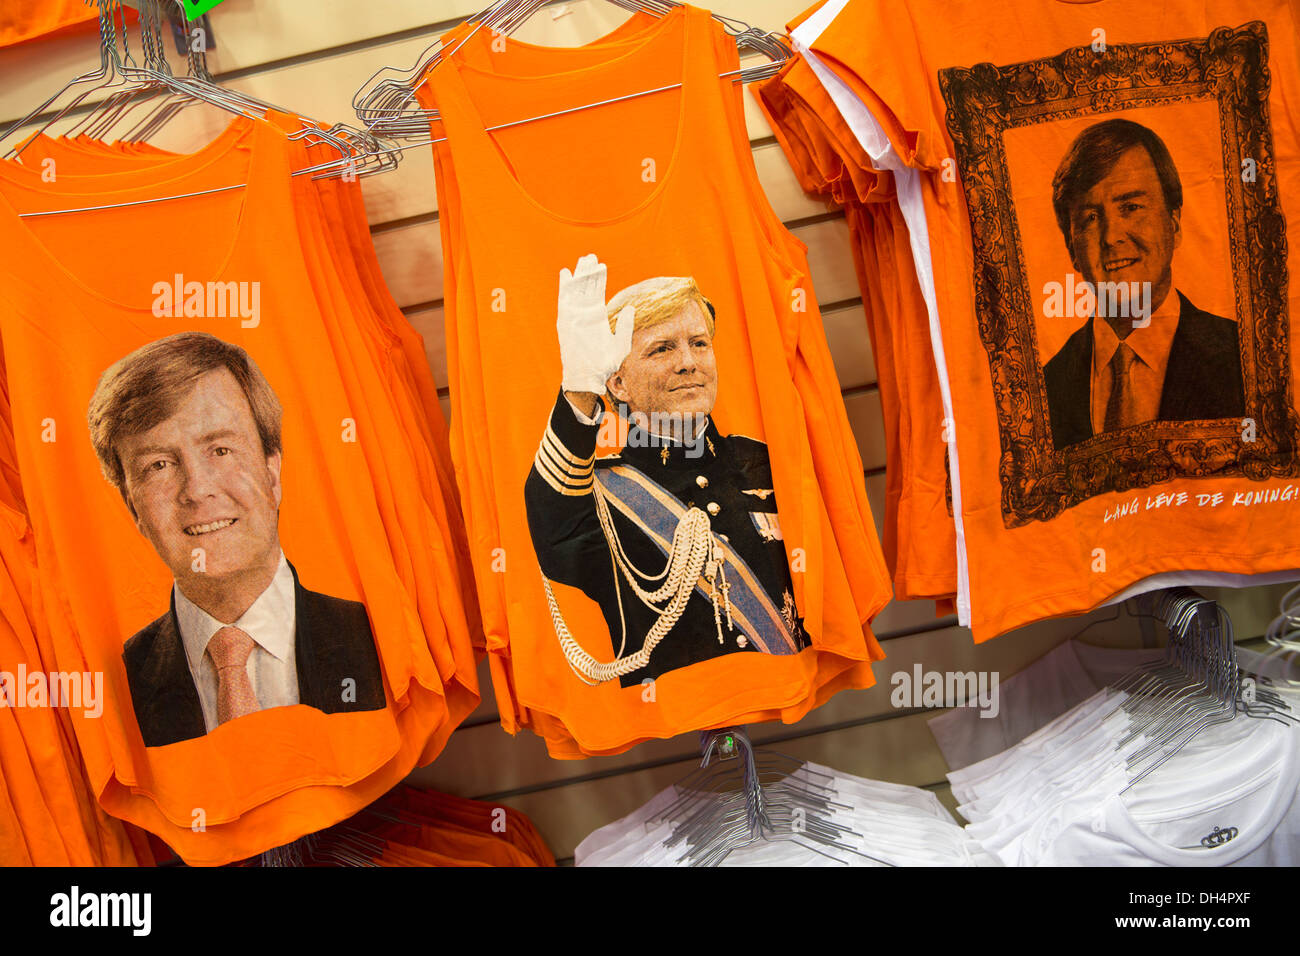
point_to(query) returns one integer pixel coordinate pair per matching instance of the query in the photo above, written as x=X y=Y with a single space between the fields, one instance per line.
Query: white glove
x=589 y=352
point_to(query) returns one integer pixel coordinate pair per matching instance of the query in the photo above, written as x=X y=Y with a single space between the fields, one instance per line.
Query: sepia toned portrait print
x=187 y=429
x=1146 y=352
x=676 y=536
x=1130 y=281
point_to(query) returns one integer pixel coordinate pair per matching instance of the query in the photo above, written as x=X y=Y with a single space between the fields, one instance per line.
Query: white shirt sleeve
x=600 y=413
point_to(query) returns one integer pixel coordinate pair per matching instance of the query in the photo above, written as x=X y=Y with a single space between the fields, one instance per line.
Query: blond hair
x=143 y=389
x=658 y=300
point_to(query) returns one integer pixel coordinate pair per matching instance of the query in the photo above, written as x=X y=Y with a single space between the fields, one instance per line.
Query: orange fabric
x=1094 y=515
x=917 y=530
x=298 y=769
x=835 y=454
x=48 y=813
x=476 y=815
x=519 y=58
x=53 y=817
x=800 y=416
x=24 y=20
x=412 y=827
x=341 y=202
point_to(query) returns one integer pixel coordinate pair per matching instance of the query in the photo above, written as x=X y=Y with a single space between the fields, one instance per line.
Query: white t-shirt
x=882 y=824
x=1231 y=801
x=1059 y=796
x=1060 y=679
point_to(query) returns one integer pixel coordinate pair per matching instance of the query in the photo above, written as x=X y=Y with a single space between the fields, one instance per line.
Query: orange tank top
x=267 y=776
x=652 y=187
x=834 y=448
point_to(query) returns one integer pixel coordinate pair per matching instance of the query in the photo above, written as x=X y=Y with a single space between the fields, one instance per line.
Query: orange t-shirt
x=751 y=276
x=1117 y=163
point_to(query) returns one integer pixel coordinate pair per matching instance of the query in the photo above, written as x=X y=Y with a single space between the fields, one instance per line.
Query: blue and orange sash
x=657 y=512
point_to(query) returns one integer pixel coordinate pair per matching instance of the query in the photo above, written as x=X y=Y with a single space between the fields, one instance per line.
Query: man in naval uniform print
x=650 y=350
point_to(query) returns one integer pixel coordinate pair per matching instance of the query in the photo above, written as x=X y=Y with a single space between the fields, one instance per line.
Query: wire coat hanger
x=741 y=795
x=360 y=152
x=388 y=106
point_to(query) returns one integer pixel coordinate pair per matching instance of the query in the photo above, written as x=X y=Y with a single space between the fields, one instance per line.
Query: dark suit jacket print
x=1202 y=381
x=332 y=641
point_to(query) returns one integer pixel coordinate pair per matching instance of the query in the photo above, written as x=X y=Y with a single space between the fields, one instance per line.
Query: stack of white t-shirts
x=1057 y=798
x=890 y=825
x=1067 y=675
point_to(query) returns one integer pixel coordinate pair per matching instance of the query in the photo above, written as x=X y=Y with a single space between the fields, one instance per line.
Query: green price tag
x=196 y=8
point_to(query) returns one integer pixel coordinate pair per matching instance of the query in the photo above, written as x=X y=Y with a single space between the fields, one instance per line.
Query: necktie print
x=229 y=650
x=1119 y=407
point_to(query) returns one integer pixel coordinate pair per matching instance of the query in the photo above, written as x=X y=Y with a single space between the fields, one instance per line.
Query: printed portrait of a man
x=1118 y=202
x=187 y=429
x=676 y=537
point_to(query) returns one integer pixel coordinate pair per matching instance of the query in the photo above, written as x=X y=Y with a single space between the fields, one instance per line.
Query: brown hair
x=143 y=389
x=1094 y=154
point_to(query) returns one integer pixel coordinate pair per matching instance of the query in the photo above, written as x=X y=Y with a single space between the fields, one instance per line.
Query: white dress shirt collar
x=1152 y=343
x=269 y=621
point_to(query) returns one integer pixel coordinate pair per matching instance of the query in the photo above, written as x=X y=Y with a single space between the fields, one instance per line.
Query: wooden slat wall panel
x=271 y=32
x=472 y=768
x=1250 y=609
x=411 y=258
x=845 y=334
x=255 y=37
x=32 y=72
x=312 y=58
x=868 y=426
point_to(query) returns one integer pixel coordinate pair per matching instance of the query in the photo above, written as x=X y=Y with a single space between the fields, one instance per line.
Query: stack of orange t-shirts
x=413 y=827
x=282 y=412
x=660 y=208
x=1096 y=196
x=829 y=162
x=48 y=813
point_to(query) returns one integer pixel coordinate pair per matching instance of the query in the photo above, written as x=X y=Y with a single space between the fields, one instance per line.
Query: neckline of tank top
x=1284 y=780
x=120 y=159
x=259 y=174
x=476 y=135
x=627 y=46
x=127 y=160
x=103 y=186
x=628 y=32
